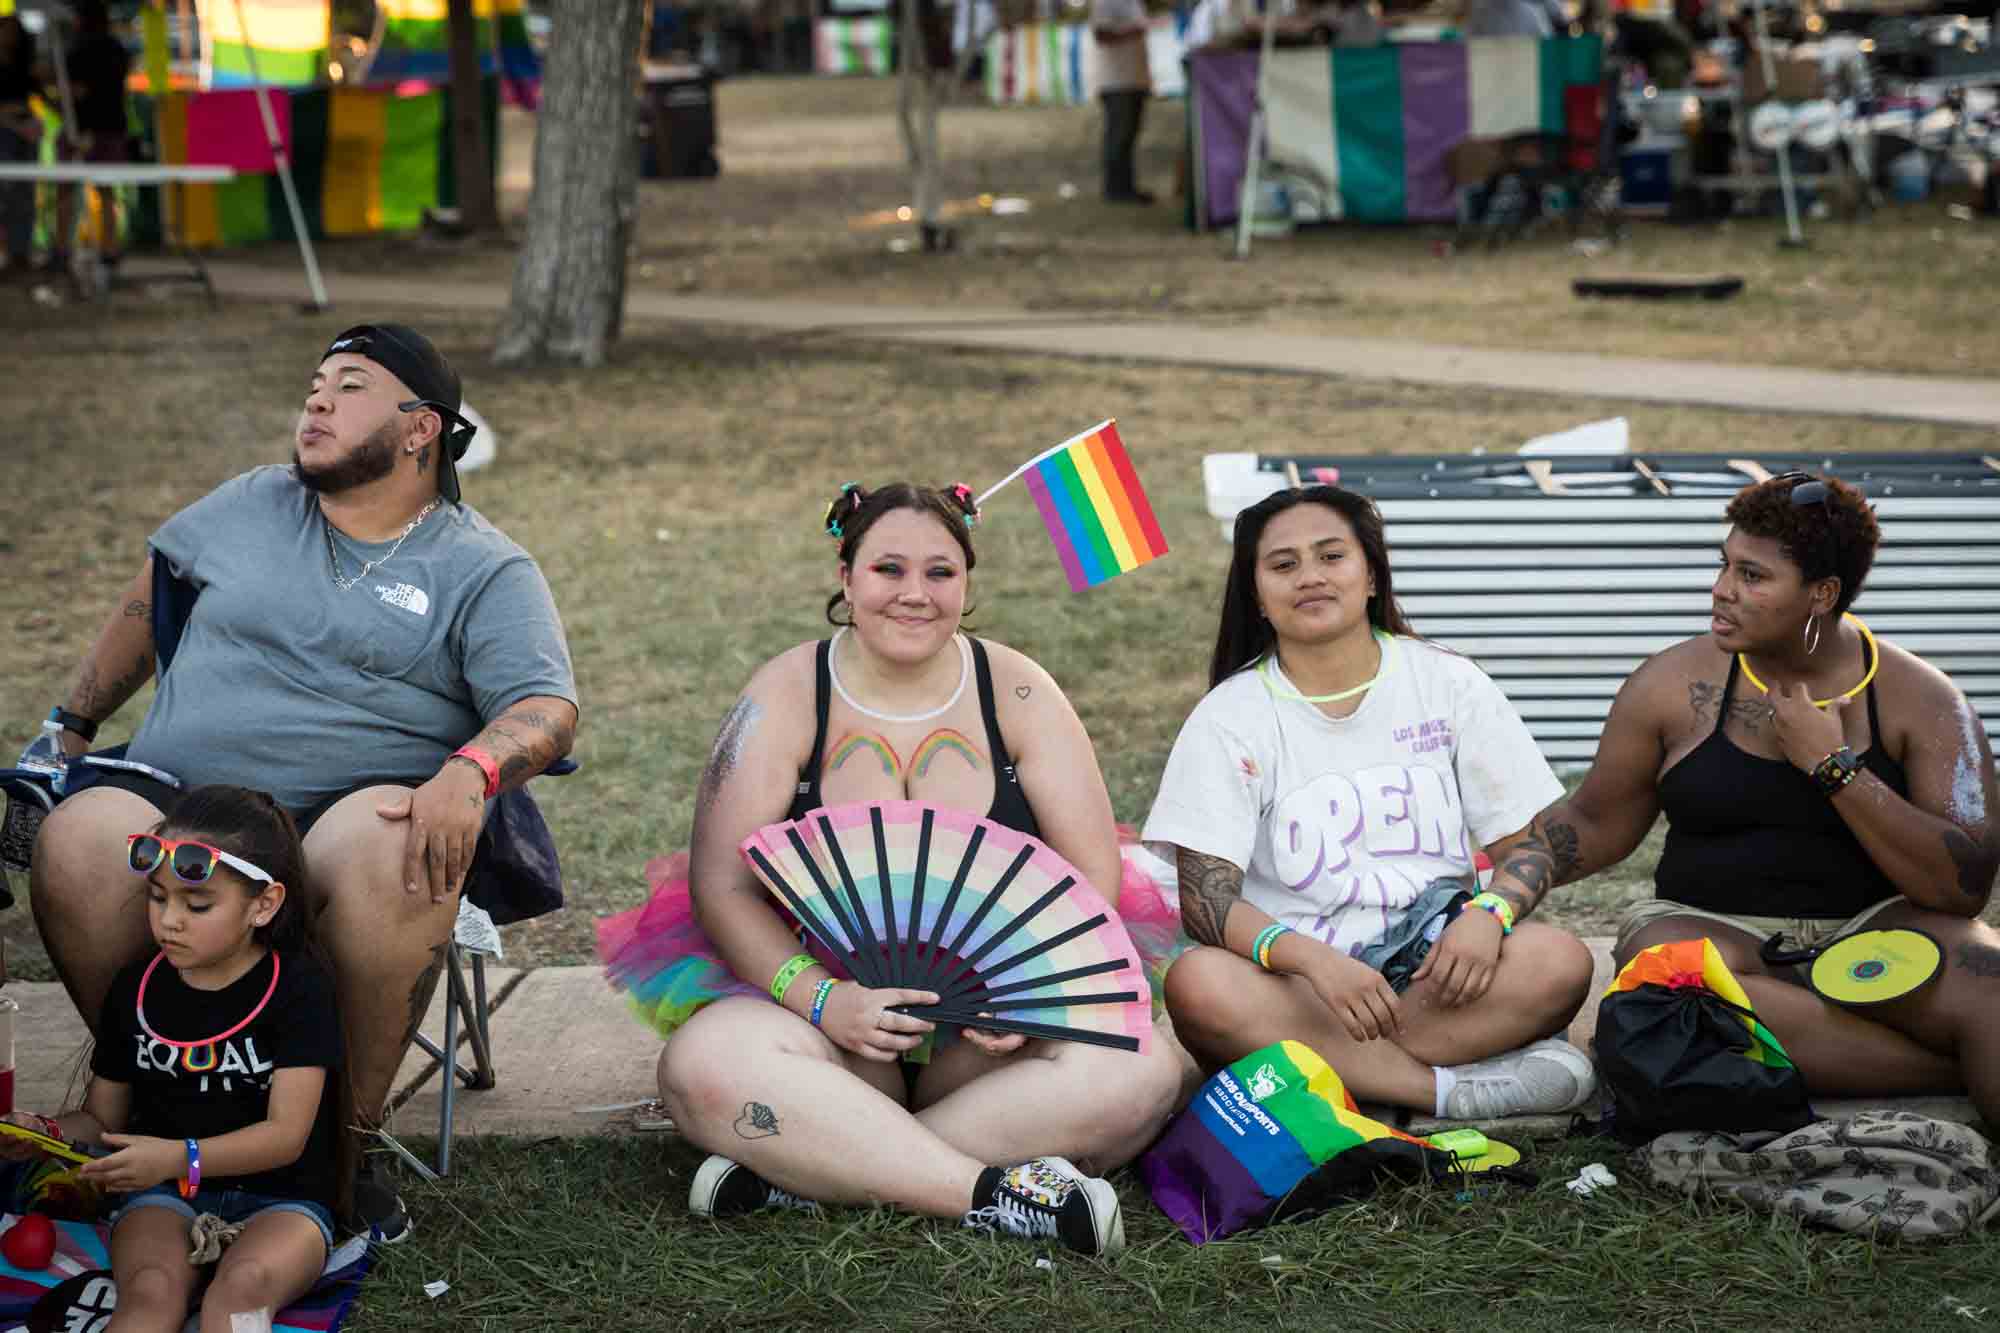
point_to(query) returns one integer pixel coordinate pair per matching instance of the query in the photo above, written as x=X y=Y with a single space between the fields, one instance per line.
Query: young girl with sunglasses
x=216 y=1070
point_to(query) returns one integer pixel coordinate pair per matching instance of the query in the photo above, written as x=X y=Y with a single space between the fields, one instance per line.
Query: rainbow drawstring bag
x=1679 y=1047
x=1274 y=1136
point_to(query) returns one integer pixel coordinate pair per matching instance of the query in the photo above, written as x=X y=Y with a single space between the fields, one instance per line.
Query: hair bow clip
x=843 y=504
x=963 y=494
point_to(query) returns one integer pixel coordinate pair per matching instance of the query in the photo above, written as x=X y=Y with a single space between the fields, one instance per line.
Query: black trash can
x=677 y=123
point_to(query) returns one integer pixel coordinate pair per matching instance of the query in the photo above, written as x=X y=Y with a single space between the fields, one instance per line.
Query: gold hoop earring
x=1811 y=636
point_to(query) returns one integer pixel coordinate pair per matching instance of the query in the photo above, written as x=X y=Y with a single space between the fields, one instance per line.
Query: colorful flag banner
x=416 y=42
x=363 y=159
x=1363 y=132
x=1093 y=506
x=287 y=41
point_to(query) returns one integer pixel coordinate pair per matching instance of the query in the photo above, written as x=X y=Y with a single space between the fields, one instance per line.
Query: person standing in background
x=1124 y=82
x=20 y=132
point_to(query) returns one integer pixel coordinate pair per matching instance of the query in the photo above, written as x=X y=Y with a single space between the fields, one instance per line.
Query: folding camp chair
x=30 y=795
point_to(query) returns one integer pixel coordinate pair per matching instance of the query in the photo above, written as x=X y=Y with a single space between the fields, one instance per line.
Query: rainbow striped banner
x=416 y=41
x=1093 y=506
x=289 y=39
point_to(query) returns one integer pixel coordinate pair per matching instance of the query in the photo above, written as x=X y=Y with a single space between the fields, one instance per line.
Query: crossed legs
x=1942 y=1039
x=1225 y=1006
x=761 y=1086
x=387 y=945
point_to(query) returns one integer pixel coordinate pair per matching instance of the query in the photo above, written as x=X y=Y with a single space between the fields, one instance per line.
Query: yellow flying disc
x=1876 y=966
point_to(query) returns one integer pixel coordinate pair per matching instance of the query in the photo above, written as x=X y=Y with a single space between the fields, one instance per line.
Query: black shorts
x=163 y=794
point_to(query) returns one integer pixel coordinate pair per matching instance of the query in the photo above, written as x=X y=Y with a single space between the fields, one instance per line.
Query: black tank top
x=1010 y=804
x=1755 y=837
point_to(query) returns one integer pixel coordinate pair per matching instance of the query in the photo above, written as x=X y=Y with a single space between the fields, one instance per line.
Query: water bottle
x=45 y=754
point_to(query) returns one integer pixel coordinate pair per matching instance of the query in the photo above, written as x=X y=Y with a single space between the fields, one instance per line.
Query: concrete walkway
x=564 y=1042
x=1970 y=402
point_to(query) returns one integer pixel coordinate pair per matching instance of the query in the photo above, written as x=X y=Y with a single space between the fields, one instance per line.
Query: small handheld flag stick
x=1092 y=504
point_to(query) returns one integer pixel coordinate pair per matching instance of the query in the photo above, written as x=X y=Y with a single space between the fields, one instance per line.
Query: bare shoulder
x=1019 y=680
x=779 y=694
x=1674 y=683
x=1918 y=702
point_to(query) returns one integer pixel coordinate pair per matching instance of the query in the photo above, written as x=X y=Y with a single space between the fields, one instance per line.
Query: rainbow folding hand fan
x=1007 y=933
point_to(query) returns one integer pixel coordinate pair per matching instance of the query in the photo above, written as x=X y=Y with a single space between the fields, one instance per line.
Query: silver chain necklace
x=344 y=583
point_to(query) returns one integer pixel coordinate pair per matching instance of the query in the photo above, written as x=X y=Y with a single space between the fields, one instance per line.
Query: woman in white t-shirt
x=1325 y=800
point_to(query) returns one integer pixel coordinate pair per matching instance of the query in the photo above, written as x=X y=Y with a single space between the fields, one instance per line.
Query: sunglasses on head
x=192 y=862
x=1810 y=490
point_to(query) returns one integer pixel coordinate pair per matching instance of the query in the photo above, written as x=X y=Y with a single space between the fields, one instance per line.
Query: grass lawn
x=673 y=500
x=593 y=1234
x=812 y=171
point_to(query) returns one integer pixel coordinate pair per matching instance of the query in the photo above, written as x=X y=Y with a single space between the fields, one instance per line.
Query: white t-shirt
x=1340 y=823
x=1121 y=66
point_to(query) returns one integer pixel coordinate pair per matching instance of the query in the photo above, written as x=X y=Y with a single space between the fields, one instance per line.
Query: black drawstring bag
x=1676 y=1055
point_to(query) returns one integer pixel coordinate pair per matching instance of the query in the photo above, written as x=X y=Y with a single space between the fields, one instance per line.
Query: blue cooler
x=1646 y=175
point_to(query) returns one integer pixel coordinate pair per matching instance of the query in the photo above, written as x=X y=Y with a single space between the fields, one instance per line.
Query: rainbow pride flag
x=1272 y=1136
x=1093 y=506
x=288 y=39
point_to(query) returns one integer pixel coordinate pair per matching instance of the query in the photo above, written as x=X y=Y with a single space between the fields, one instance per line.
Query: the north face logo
x=408 y=596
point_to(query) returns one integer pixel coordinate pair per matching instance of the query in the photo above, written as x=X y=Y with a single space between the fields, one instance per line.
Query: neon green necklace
x=1282 y=691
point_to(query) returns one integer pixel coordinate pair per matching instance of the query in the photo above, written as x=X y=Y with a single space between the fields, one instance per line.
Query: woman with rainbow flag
x=1325 y=800
x=811 y=1099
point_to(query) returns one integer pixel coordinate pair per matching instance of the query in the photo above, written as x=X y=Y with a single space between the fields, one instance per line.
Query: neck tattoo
x=833 y=674
x=341 y=581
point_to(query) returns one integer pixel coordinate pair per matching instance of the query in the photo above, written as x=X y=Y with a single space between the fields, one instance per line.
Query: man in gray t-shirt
x=364 y=647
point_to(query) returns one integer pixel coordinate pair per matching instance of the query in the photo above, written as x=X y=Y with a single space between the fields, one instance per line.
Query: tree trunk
x=473 y=159
x=569 y=284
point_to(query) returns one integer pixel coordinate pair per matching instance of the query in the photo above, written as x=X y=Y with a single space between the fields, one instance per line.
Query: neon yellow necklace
x=1278 y=691
x=1874 y=661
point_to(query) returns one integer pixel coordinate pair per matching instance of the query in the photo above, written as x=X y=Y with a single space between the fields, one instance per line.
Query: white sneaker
x=1544 y=1078
x=1049 y=1199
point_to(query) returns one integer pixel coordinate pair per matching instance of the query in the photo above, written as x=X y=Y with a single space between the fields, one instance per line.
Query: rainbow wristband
x=788 y=973
x=1503 y=911
x=192 y=1181
x=1260 y=948
x=820 y=992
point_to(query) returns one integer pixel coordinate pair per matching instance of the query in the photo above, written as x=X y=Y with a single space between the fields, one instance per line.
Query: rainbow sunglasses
x=192 y=862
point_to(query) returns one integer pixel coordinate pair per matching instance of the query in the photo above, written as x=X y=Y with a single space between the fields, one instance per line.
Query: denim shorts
x=230 y=1205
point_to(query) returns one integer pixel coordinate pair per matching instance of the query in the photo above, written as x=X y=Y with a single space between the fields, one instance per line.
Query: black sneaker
x=723 y=1188
x=378 y=1209
x=1048 y=1198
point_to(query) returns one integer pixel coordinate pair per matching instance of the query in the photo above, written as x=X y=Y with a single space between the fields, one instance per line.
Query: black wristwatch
x=75 y=722
x=1833 y=773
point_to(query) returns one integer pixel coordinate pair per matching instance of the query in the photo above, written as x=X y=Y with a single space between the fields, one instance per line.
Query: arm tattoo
x=758 y=1121
x=138 y=610
x=1704 y=697
x=524 y=743
x=1975 y=863
x=728 y=750
x=1548 y=856
x=1210 y=886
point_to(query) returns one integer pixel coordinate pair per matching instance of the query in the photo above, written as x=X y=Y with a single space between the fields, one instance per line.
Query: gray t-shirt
x=284 y=682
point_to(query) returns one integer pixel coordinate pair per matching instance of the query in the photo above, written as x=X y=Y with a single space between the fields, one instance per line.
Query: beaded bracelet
x=192 y=1181
x=1260 y=948
x=1502 y=910
x=820 y=992
x=1833 y=773
x=788 y=972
